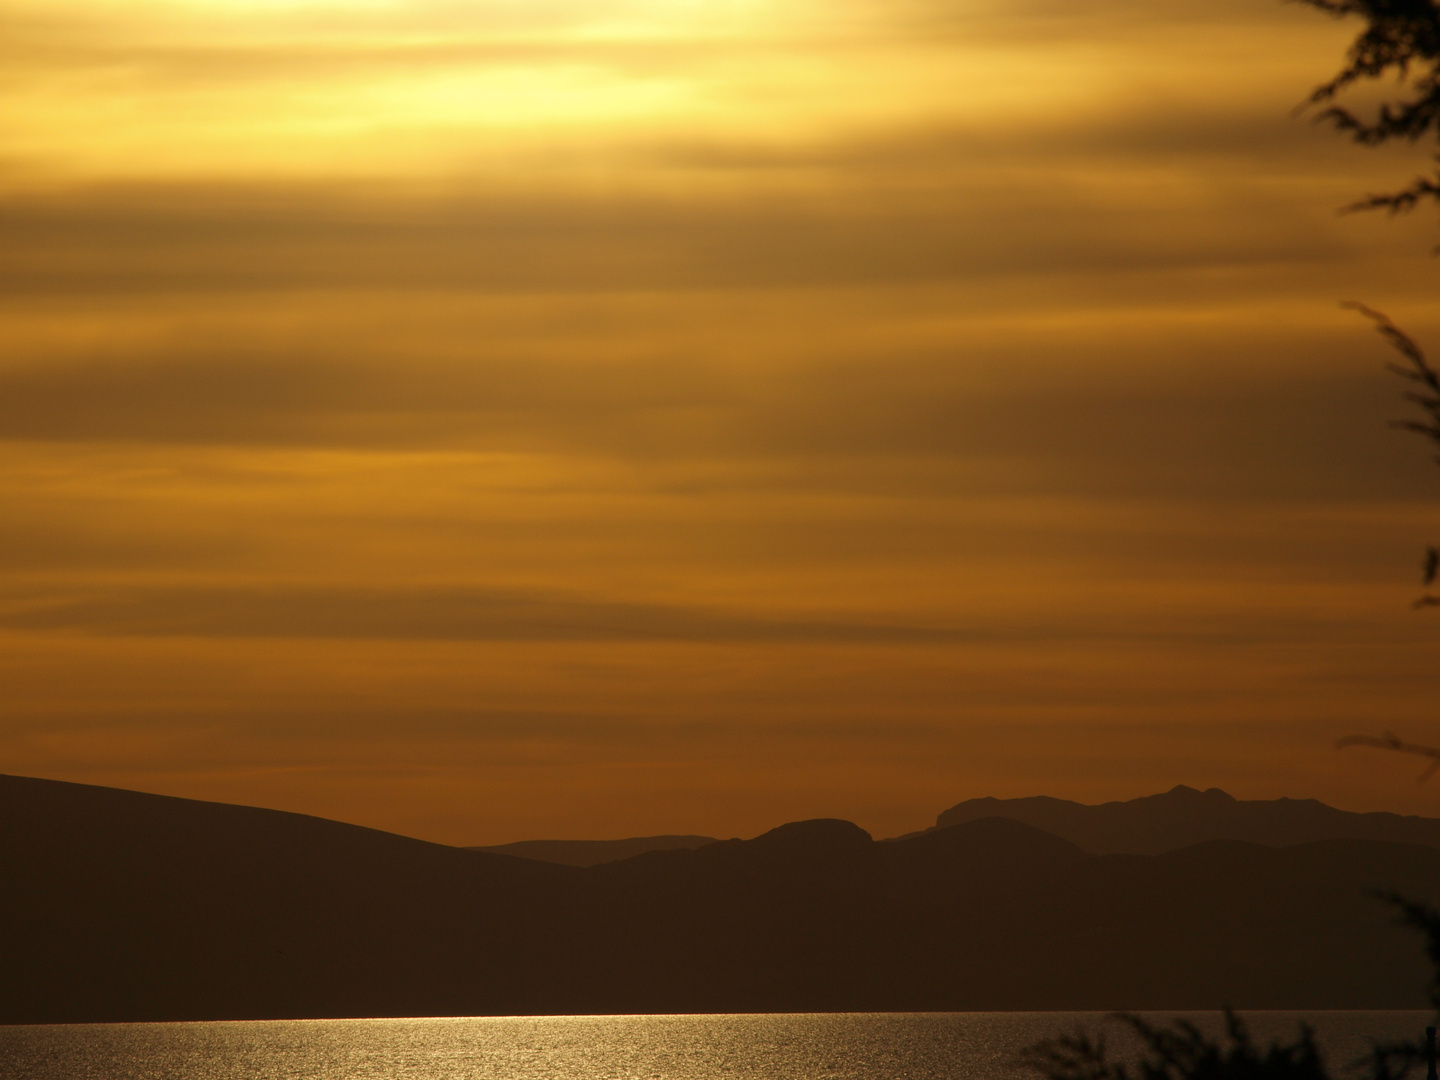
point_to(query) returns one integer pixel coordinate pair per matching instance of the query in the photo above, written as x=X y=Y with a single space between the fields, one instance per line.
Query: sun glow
x=121 y=90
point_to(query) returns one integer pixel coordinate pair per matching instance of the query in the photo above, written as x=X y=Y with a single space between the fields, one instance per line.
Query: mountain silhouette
x=124 y=906
x=1184 y=816
x=593 y=852
x=120 y=905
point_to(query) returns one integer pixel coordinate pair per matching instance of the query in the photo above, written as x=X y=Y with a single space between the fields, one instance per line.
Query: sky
x=505 y=419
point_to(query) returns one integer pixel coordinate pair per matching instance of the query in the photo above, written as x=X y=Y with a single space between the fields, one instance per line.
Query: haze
x=496 y=420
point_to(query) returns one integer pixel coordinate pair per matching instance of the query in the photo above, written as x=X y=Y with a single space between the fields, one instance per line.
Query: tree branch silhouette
x=1390 y=741
x=1178 y=1050
x=1402 y=36
x=1417 y=371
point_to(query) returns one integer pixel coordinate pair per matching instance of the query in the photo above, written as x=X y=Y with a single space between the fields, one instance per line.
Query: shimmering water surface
x=862 y=1046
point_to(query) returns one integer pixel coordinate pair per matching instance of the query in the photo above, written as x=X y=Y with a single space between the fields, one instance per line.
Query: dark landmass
x=594 y=852
x=122 y=906
x=1184 y=816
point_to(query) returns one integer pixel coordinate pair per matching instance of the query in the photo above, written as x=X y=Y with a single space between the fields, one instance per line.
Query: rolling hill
x=123 y=906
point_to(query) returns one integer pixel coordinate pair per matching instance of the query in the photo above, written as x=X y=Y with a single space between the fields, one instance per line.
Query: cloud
x=1069 y=411
x=438 y=614
x=940 y=206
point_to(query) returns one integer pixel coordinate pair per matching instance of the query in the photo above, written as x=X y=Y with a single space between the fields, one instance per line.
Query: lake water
x=856 y=1046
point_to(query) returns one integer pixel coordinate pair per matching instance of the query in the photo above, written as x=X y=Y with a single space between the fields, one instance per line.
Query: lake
x=846 y=1046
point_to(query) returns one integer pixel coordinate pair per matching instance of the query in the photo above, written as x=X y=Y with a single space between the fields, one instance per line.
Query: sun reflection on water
x=872 y=1046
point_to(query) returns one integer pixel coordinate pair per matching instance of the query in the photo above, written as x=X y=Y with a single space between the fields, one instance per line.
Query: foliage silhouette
x=1425 y=392
x=1391 y=741
x=1179 y=1050
x=1402 y=36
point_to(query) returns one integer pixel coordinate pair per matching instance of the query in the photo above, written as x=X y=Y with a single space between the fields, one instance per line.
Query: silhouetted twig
x=1402 y=36
x=1178 y=1051
x=1417 y=371
x=1181 y=1051
x=1390 y=741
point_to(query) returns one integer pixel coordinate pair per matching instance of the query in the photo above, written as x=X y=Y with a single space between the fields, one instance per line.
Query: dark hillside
x=121 y=906
x=997 y=915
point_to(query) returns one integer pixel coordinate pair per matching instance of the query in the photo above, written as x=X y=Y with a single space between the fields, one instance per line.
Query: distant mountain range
x=594 y=852
x=1184 y=816
x=1147 y=826
x=118 y=905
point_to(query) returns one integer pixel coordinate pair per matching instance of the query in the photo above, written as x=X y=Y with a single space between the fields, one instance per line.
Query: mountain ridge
x=1154 y=824
x=121 y=906
x=593 y=852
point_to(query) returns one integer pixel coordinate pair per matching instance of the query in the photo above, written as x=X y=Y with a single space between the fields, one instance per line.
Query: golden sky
x=498 y=419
